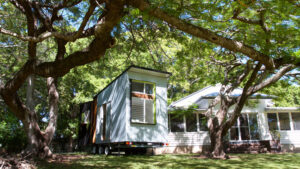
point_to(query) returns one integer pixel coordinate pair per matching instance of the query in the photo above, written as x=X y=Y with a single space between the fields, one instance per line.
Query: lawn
x=85 y=161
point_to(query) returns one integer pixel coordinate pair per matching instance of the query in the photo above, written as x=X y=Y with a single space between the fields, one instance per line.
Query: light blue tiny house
x=131 y=111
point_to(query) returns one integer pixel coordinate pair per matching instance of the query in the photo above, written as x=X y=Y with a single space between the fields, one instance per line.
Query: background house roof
x=282 y=109
x=202 y=96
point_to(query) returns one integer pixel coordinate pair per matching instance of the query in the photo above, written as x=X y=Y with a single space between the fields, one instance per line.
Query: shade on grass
x=177 y=161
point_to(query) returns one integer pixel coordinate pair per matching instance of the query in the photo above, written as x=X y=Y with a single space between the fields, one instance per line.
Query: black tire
x=100 y=150
x=128 y=152
x=94 y=149
x=141 y=151
x=107 y=150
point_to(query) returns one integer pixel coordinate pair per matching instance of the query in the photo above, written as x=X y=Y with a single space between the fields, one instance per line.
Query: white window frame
x=278 y=120
x=169 y=124
x=184 y=124
x=292 y=119
x=239 y=128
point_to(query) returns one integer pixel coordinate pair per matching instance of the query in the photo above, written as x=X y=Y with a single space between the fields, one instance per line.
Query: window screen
x=148 y=88
x=203 y=122
x=284 y=121
x=177 y=124
x=191 y=122
x=234 y=131
x=245 y=128
x=272 y=121
x=296 y=120
x=137 y=87
x=142 y=102
x=254 y=131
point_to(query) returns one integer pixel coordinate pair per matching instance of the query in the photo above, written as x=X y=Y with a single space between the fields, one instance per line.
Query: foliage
x=287 y=95
x=268 y=29
x=12 y=135
x=275 y=134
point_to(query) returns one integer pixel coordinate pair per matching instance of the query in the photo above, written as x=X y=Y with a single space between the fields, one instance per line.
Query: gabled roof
x=145 y=70
x=210 y=92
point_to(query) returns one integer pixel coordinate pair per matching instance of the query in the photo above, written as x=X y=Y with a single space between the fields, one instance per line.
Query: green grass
x=177 y=161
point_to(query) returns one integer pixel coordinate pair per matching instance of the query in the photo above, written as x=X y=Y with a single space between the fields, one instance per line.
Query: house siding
x=149 y=132
x=188 y=138
x=115 y=96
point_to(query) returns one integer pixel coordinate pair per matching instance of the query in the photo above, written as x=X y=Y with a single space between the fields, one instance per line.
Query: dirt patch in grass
x=16 y=161
x=66 y=158
x=207 y=156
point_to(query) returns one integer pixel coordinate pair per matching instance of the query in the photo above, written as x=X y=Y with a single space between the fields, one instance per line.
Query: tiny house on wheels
x=129 y=113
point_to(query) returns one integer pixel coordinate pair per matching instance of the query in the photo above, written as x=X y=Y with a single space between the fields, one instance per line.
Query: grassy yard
x=84 y=161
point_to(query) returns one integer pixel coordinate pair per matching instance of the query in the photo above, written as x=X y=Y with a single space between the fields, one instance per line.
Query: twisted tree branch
x=230 y=44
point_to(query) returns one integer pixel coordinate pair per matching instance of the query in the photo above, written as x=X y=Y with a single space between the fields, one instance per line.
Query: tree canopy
x=44 y=42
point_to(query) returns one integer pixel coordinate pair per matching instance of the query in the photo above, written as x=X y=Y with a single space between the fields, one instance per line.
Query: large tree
x=262 y=33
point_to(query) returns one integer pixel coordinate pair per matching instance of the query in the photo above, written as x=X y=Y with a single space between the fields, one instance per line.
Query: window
x=296 y=120
x=203 y=122
x=191 y=122
x=281 y=121
x=272 y=121
x=176 y=123
x=245 y=128
x=187 y=123
x=142 y=102
x=254 y=132
x=284 y=121
x=234 y=131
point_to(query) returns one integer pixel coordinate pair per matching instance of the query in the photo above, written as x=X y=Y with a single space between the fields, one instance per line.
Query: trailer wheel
x=106 y=150
x=101 y=150
x=128 y=152
x=94 y=150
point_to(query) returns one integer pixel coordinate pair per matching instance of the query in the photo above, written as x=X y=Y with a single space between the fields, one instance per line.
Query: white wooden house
x=189 y=133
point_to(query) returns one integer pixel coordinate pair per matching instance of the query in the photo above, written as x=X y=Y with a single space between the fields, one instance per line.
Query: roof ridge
x=191 y=94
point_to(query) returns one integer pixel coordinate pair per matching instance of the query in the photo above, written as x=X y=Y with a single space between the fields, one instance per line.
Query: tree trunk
x=29 y=93
x=217 y=130
x=217 y=147
x=38 y=141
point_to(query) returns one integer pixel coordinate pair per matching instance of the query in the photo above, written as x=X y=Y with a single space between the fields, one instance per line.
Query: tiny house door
x=104 y=121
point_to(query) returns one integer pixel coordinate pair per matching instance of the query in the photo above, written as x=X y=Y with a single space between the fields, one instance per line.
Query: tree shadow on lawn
x=172 y=161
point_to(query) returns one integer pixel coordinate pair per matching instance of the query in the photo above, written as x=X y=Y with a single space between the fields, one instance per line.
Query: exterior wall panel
x=115 y=96
x=149 y=132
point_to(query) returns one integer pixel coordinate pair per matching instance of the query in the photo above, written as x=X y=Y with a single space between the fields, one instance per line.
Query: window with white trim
x=176 y=123
x=296 y=120
x=191 y=122
x=245 y=128
x=142 y=102
x=284 y=121
x=187 y=123
x=203 y=122
x=272 y=121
